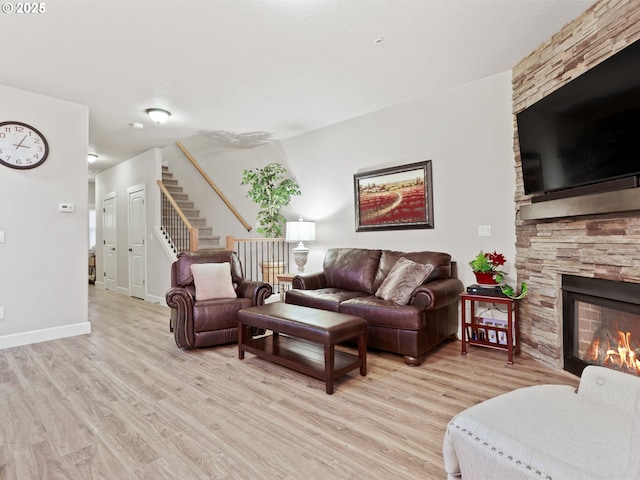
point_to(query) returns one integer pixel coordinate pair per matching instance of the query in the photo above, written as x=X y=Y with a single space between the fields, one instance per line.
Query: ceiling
x=246 y=71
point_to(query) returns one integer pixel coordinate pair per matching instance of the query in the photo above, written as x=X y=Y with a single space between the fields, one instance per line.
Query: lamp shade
x=301 y=231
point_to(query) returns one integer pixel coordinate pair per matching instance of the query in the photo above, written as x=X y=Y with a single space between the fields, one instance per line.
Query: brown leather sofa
x=350 y=280
x=204 y=323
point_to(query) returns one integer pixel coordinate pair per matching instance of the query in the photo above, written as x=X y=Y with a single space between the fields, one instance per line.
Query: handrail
x=193 y=231
x=216 y=189
x=230 y=241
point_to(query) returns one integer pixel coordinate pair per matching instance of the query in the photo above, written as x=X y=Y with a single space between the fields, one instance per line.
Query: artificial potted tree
x=271 y=189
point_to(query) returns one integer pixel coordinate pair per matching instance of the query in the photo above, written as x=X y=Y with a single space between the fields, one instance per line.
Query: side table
x=476 y=331
x=284 y=283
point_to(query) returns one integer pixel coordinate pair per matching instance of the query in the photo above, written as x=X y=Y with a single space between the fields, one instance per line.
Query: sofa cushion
x=322 y=298
x=402 y=280
x=351 y=268
x=212 y=280
x=384 y=313
x=441 y=264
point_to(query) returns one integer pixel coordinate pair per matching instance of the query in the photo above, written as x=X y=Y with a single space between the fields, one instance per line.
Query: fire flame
x=620 y=357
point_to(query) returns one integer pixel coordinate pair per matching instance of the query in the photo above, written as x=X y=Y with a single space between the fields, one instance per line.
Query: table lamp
x=300 y=231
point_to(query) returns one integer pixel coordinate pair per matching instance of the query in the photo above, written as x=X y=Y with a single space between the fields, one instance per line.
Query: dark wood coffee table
x=304 y=340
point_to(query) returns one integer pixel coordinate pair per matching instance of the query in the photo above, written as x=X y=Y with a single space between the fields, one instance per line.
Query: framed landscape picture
x=394 y=198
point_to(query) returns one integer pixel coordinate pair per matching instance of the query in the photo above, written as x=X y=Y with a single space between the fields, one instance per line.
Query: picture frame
x=394 y=198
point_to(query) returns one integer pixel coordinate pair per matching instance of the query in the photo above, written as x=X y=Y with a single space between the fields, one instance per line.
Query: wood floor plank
x=125 y=402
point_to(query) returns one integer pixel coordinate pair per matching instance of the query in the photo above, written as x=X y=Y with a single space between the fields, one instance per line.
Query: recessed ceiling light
x=136 y=125
x=158 y=115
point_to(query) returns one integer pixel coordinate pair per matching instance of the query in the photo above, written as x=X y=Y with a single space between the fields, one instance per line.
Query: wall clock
x=22 y=146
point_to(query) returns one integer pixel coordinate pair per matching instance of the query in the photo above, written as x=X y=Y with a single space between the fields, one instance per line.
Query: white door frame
x=137 y=243
x=111 y=249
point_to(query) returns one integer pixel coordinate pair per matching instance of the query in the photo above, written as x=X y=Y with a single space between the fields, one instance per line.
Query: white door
x=137 y=234
x=109 y=254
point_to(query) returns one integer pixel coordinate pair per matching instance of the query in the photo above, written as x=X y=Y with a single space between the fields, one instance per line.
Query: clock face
x=21 y=145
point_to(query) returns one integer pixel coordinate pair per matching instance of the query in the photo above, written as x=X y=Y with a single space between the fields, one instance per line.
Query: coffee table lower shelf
x=302 y=356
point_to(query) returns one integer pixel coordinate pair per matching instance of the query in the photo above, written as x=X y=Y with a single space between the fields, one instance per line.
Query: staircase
x=206 y=239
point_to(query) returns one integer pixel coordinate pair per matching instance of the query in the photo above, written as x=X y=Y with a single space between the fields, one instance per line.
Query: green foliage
x=508 y=291
x=271 y=190
x=481 y=263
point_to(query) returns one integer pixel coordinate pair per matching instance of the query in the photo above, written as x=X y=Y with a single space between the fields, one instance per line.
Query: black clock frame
x=39 y=133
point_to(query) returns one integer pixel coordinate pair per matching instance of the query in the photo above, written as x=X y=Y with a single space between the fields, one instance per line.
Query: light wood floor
x=126 y=403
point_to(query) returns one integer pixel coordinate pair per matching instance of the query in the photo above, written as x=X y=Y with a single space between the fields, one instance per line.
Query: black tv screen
x=587 y=131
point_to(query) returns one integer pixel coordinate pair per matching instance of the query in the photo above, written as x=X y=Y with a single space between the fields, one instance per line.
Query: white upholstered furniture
x=551 y=432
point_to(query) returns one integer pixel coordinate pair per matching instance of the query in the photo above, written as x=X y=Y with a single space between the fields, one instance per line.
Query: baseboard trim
x=44 y=335
x=155 y=299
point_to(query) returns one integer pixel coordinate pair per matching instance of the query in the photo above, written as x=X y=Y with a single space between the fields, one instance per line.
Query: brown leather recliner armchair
x=204 y=323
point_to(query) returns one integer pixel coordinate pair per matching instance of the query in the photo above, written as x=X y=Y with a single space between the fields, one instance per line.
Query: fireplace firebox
x=601 y=324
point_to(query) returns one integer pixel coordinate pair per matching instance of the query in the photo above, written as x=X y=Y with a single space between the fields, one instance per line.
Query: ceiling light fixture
x=92 y=157
x=158 y=115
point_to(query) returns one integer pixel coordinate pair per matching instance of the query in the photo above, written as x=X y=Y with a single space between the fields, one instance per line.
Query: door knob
x=113 y=249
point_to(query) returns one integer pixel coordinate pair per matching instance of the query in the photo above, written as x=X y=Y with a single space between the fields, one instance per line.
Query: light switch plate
x=484 y=230
x=1 y=237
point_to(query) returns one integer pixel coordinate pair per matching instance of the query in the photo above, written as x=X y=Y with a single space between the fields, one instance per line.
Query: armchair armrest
x=258 y=292
x=437 y=293
x=309 y=281
x=180 y=301
x=617 y=390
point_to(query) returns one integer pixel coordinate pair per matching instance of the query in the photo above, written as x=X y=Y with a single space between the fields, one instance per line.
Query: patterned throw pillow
x=402 y=280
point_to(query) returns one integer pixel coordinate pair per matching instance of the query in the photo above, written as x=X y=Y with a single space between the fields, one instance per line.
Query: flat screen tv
x=587 y=131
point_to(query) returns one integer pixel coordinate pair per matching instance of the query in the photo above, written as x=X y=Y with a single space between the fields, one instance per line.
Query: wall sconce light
x=92 y=157
x=158 y=115
x=300 y=231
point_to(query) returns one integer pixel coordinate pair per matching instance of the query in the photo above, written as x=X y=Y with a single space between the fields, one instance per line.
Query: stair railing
x=176 y=227
x=213 y=185
x=262 y=259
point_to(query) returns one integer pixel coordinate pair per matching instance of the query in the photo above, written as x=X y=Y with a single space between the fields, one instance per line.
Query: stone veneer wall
x=602 y=246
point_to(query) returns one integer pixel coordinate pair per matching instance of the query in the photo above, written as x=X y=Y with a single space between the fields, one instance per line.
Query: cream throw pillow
x=212 y=280
x=402 y=280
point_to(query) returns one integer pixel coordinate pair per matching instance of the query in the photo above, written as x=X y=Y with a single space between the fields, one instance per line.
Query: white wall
x=466 y=131
x=467 y=134
x=92 y=194
x=44 y=283
x=143 y=169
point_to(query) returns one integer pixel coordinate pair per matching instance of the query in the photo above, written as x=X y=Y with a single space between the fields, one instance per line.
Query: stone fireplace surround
x=584 y=242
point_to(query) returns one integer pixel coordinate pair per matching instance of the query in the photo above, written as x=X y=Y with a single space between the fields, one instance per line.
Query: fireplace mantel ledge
x=597 y=203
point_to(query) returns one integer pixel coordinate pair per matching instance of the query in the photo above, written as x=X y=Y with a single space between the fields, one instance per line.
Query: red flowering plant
x=490 y=263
